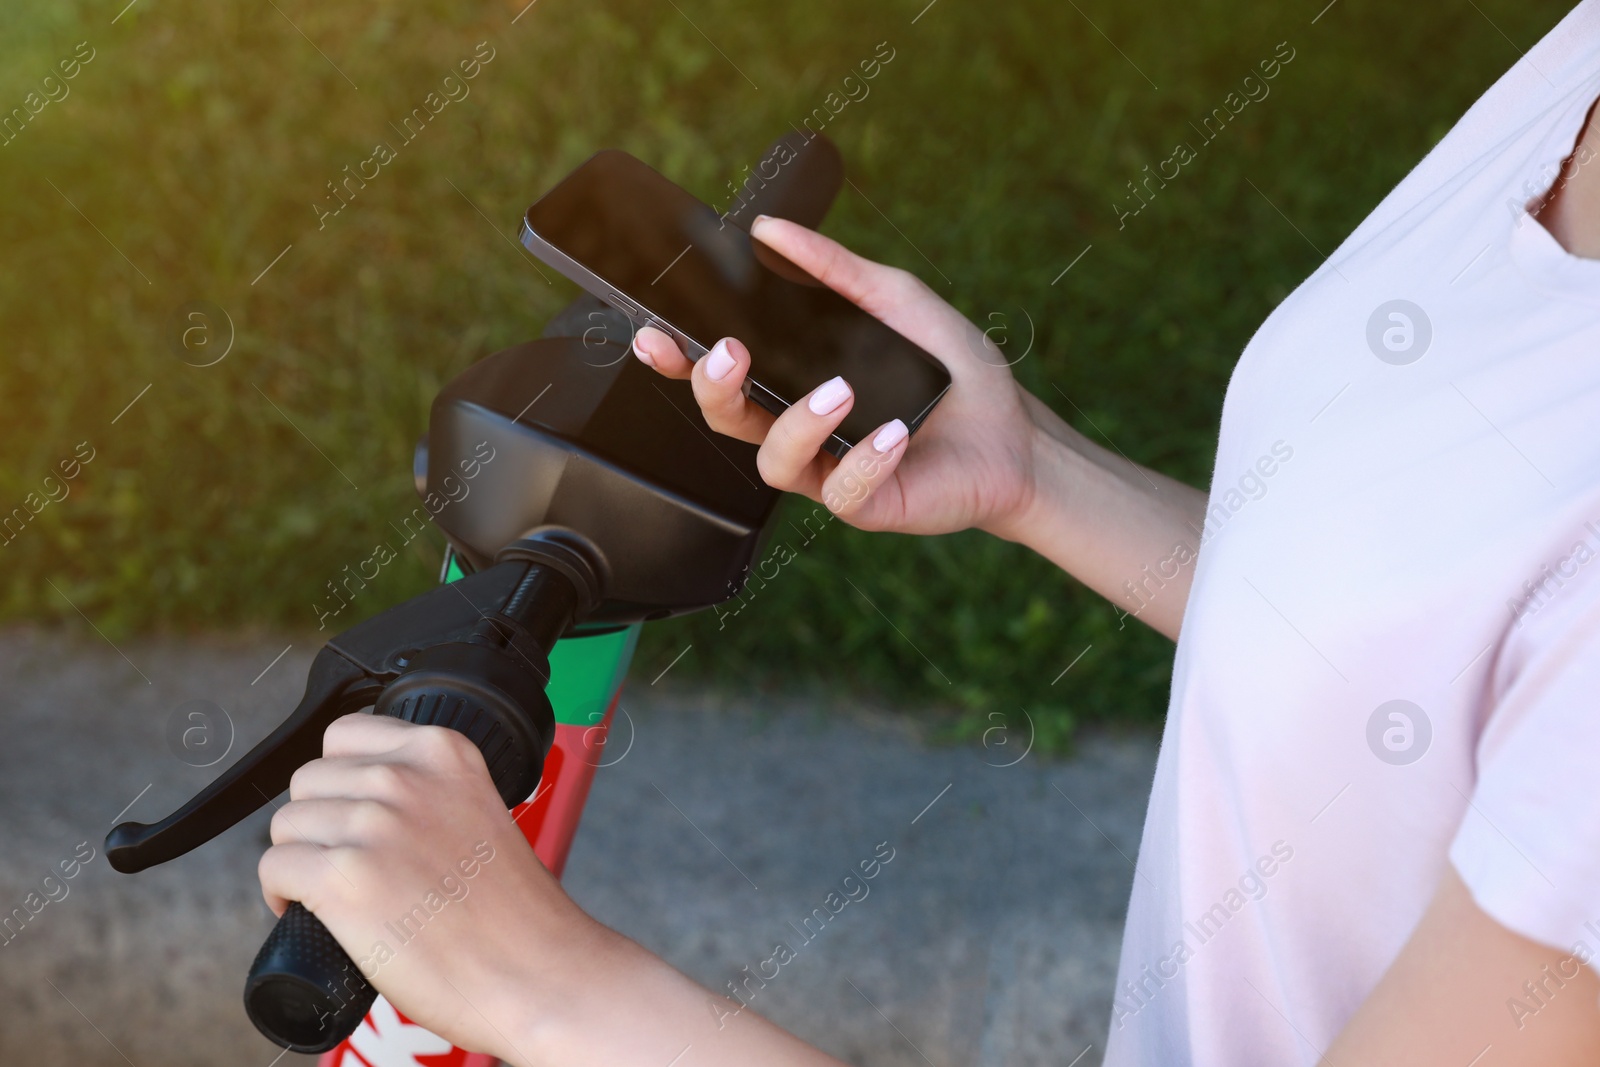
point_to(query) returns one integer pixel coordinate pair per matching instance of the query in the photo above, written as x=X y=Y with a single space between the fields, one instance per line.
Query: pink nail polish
x=828 y=396
x=890 y=436
x=719 y=361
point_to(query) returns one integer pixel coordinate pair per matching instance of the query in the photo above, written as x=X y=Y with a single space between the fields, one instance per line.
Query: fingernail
x=890 y=436
x=758 y=220
x=829 y=395
x=644 y=357
x=719 y=361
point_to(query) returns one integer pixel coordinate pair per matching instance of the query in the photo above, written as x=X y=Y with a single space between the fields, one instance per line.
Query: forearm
x=632 y=1008
x=1129 y=533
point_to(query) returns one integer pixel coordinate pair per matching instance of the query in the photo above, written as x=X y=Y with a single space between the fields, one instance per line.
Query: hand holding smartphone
x=662 y=257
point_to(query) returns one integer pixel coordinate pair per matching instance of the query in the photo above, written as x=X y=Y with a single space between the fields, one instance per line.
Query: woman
x=1373 y=836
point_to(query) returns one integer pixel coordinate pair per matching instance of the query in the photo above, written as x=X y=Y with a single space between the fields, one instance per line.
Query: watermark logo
x=200 y=333
x=1399 y=332
x=608 y=339
x=993 y=344
x=51 y=89
x=199 y=733
x=1144 y=187
x=853 y=888
x=998 y=746
x=1398 y=732
x=742 y=190
x=1142 y=987
x=597 y=739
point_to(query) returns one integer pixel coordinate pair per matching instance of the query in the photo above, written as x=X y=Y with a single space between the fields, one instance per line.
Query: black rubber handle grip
x=305 y=992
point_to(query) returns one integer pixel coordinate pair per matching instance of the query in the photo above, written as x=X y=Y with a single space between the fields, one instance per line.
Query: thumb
x=895 y=297
x=857 y=279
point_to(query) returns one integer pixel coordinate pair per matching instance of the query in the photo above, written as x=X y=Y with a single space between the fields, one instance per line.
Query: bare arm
x=1124 y=530
x=1467 y=990
x=642 y=1011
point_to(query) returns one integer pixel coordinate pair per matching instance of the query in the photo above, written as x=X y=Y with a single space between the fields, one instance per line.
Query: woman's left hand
x=397 y=840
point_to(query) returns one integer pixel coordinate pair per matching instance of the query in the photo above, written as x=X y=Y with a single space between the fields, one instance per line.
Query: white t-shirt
x=1390 y=656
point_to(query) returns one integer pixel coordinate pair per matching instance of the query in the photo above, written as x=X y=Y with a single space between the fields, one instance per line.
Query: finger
x=330 y=821
x=878 y=289
x=656 y=348
x=380 y=777
x=864 y=469
x=295 y=872
x=791 y=457
x=897 y=298
x=362 y=734
x=717 y=378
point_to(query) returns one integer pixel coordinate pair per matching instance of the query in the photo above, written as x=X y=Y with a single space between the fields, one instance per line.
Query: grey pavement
x=989 y=938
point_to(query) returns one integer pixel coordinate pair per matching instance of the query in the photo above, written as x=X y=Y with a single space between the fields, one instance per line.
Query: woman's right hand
x=972 y=461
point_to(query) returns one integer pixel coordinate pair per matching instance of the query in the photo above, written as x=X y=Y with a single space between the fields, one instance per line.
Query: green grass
x=995 y=142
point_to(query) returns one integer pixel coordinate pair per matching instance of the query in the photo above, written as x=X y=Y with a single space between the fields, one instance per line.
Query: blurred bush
x=189 y=151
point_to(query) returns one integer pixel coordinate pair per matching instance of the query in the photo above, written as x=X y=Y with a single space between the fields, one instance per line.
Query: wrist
x=605 y=1002
x=1045 y=458
x=555 y=991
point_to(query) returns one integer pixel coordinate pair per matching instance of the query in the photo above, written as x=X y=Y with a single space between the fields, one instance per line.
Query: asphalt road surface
x=990 y=938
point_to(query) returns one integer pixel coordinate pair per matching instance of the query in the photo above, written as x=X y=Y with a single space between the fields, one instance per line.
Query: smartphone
x=663 y=258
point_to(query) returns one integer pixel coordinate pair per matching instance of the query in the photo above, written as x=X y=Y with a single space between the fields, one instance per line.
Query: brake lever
x=348 y=674
x=334 y=687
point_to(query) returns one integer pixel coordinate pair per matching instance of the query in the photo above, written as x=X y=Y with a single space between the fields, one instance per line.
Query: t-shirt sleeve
x=1528 y=846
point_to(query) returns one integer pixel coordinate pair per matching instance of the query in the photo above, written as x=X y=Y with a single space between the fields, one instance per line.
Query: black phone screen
x=670 y=253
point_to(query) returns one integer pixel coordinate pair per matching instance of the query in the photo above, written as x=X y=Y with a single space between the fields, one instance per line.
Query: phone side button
x=622 y=304
x=765 y=397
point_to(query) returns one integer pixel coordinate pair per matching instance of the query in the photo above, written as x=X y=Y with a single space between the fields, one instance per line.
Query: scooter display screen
x=656 y=247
